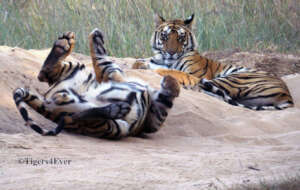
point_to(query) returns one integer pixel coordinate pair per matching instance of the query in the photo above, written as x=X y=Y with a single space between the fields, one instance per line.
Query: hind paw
x=119 y=110
x=96 y=41
x=170 y=85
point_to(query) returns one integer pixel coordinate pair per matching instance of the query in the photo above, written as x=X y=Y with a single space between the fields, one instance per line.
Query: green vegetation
x=128 y=24
x=283 y=182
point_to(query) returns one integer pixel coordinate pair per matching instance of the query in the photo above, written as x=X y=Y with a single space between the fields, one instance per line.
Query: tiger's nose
x=172 y=52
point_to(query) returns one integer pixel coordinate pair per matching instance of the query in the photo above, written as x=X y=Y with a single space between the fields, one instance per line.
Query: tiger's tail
x=23 y=97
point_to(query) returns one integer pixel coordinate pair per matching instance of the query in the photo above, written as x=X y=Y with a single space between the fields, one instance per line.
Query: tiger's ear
x=189 y=21
x=158 y=20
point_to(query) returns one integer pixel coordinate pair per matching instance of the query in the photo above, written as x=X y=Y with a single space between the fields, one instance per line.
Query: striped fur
x=100 y=102
x=174 y=47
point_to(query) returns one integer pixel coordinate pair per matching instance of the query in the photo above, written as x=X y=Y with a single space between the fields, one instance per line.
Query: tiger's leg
x=53 y=65
x=23 y=97
x=266 y=94
x=141 y=64
x=261 y=95
x=186 y=80
x=105 y=70
x=213 y=88
x=161 y=102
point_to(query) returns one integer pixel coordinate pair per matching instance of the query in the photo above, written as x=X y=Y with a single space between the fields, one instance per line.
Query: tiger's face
x=173 y=38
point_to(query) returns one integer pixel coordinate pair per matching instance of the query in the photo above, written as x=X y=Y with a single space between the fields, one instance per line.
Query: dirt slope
x=204 y=144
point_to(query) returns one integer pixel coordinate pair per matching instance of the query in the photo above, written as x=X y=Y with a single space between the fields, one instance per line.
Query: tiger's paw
x=119 y=110
x=196 y=87
x=112 y=111
x=64 y=45
x=96 y=40
x=139 y=65
x=170 y=85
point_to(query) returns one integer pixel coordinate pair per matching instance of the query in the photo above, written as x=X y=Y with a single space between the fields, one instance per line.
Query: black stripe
x=266 y=96
x=16 y=96
x=227 y=69
x=204 y=70
x=111 y=70
x=80 y=98
x=101 y=51
x=183 y=64
x=24 y=114
x=192 y=42
x=130 y=97
x=65 y=103
x=70 y=66
x=81 y=66
x=61 y=72
x=220 y=93
x=99 y=58
x=18 y=102
x=111 y=89
x=165 y=100
x=76 y=69
x=32 y=97
x=62 y=91
x=103 y=71
x=88 y=79
x=132 y=126
x=117 y=135
x=114 y=100
x=36 y=128
x=224 y=81
x=163 y=64
x=104 y=63
x=187 y=66
x=262 y=89
x=176 y=65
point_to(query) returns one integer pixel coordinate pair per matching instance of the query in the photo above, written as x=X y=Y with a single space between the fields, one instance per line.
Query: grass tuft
x=128 y=25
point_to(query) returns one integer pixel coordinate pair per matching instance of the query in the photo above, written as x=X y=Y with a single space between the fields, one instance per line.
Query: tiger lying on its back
x=174 y=47
x=114 y=108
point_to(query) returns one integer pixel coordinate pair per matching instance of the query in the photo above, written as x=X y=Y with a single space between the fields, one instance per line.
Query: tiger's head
x=173 y=38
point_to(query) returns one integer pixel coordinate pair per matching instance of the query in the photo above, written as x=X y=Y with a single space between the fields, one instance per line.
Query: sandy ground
x=205 y=143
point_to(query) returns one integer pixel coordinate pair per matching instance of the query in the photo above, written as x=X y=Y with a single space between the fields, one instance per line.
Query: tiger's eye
x=164 y=37
x=181 y=37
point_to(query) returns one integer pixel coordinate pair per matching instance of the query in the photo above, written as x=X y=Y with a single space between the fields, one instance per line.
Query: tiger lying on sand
x=100 y=102
x=174 y=46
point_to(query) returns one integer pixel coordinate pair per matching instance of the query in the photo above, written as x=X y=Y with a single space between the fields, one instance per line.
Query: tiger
x=174 y=46
x=100 y=102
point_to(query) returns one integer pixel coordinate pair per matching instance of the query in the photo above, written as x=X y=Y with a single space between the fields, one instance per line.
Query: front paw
x=139 y=65
x=196 y=87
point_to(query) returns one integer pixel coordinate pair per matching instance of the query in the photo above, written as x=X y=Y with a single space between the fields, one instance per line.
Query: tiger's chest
x=71 y=94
